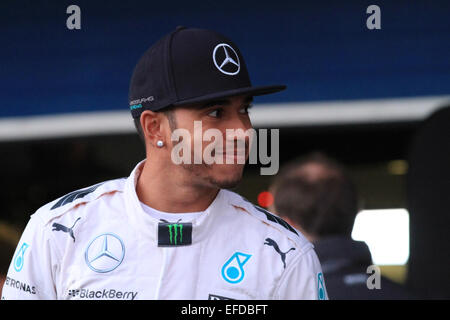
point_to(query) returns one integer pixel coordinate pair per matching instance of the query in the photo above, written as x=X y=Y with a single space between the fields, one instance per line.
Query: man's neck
x=157 y=189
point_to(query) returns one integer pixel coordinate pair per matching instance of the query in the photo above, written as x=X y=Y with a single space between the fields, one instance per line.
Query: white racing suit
x=98 y=243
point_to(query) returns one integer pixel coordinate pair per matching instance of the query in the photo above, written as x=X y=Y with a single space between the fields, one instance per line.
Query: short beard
x=226 y=184
x=221 y=184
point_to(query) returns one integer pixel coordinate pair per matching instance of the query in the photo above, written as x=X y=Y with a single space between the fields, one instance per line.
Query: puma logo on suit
x=271 y=242
x=60 y=227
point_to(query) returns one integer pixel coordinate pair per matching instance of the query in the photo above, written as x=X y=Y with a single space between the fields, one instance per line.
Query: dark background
x=321 y=49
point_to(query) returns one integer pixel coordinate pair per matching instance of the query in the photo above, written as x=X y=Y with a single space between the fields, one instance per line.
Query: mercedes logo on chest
x=226 y=59
x=105 y=253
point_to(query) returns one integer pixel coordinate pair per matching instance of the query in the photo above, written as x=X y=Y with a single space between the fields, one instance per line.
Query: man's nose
x=240 y=125
x=238 y=135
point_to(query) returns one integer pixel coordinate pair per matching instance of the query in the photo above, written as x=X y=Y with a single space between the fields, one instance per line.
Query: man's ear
x=151 y=126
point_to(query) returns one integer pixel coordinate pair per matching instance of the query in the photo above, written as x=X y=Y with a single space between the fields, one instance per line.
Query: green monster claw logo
x=175 y=227
x=174 y=234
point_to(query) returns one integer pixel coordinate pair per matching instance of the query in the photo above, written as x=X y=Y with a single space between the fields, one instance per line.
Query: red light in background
x=265 y=199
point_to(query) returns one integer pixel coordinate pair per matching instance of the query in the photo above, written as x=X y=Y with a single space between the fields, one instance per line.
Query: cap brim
x=251 y=91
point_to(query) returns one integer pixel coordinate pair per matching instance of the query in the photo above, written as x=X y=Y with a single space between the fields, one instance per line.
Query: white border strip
x=65 y=125
x=265 y=115
x=348 y=112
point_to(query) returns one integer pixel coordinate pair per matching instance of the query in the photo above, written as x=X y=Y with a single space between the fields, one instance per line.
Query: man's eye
x=216 y=113
x=245 y=109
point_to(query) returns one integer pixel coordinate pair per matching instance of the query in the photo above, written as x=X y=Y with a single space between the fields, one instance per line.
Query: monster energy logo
x=175 y=228
x=174 y=234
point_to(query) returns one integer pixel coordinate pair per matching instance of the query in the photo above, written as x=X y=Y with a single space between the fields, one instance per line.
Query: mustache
x=236 y=147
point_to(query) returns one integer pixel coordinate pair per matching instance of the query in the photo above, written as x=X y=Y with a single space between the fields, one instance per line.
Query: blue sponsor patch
x=233 y=269
x=321 y=287
x=19 y=258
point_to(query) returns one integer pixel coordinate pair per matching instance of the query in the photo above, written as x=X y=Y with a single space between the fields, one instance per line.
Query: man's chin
x=226 y=184
x=218 y=176
x=229 y=180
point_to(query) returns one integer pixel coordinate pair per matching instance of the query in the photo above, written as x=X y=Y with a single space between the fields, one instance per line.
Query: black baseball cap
x=187 y=66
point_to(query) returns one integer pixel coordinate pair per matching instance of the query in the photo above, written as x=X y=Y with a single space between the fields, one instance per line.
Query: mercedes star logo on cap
x=226 y=59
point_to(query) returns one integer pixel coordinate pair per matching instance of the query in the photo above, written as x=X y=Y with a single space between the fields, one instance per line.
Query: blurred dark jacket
x=344 y=265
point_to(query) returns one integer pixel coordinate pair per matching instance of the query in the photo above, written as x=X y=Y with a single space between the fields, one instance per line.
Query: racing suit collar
x=147 y=225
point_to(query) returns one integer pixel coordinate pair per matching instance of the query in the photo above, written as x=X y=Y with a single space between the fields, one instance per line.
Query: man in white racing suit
x=170 y=230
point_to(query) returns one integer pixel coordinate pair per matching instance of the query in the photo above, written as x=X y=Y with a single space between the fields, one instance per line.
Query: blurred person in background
x=316 y=196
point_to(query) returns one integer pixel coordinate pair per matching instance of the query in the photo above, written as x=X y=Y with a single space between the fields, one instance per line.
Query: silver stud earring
x=160 y=143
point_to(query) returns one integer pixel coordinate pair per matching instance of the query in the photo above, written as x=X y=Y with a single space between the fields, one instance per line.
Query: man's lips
x=238 y=156
x=236 y=152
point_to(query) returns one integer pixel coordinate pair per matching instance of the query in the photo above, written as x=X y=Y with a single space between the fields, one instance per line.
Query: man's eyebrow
x=224 y=102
